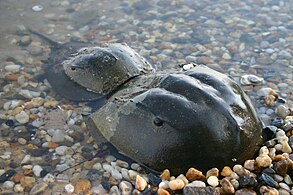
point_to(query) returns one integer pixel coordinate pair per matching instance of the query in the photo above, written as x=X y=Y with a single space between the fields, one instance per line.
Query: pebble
x=82 y=186
x=18 y=188
x=37 y=8
x=58 y=136
x=12 y=68
x=212 y=172
x=250 y=165
x=60 y=150
x=37 y=170
x=116 y=175
x=183 y=178
x=282 y=111
x=227 y=186
x=141 y=183
x=176 y=184
x=226 y=171
x=204 y=190
x=267 y=190
x=164 y=184
x=162 y=191
x=165 y=174
x=125 y=188
x=194 y=174
x=27 y=181
x=284 y=186
x=198 y=184
x=263 y=161
x=69 y=188
x=39 y=188
x=245 y=191
x=22 y=117
x=99 y=190
x=6 y=175
x=8 y=185
x=213 y=181
x=114 y=190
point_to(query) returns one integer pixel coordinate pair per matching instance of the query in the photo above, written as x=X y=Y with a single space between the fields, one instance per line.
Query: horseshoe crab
x=165 y=119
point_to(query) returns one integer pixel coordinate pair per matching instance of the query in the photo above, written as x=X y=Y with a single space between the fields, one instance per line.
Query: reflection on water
x=233 y=36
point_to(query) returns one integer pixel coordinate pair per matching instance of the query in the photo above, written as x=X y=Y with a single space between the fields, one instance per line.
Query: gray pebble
x=8 y=185
x=37 y=170
x=284 y=186
x=12 y=68
x=114 y=190
x=60 y=150
x=115 y=174
x=58 y=136
x=125 y=188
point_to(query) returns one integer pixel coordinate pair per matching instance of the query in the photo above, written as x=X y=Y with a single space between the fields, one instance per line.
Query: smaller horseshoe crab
x=165 y=119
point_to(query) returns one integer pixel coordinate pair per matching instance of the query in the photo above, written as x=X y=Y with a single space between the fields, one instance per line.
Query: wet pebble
x=227 y=186
x=37 y=8
x=141 y=183
x=82 y=186
x=58 y=136
x=7 y=175
x=27 y=181
x=99 y=190
x=69 y=188
x=8 y=185
x=213 y=181
x=22 y=117
x=194 y=174
x=245 y=191
x=39 y=188
x=37 y=169
x=12 y=68
x=125 y=188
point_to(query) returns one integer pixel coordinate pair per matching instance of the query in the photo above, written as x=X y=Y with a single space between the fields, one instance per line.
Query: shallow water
x=235 y=37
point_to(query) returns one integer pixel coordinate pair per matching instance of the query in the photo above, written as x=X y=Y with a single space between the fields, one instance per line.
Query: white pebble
x=37 y=8
x=18 y=188
x=164 y=184
x=26 y=93
x=125 y=174
x=213 y=181
x=22 y=117
x=197 y=184
x=69 y=188
x=12 y=68
x=37 y=170
x=8 y=184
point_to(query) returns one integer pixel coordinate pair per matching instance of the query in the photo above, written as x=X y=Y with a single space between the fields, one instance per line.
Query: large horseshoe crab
x=165 y=119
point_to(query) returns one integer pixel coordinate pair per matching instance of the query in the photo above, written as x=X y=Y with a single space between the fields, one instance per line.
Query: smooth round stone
x=282 y=111
x=116 y=174
x=245 y=191
x=58 y=136
x=98 y=190
x=22 y=117
x=125 y=188
x=69 y=188
x=12 y=68
x=176 y=184
x=213 y=181
x=37 y=170
x=197 y=184
x=8 y=185
x=18 y=188
x=284 y=186
x=60 y=150
x=39 y=188
x=227 y=186
x=141 y=183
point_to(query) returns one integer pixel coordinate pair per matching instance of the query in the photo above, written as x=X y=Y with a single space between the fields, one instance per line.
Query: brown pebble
x=227 y=186
x=27 y=181
x=212 y=172
x=162 y=191
x=165 y=174
x=245 y=191
x=82 y=186
x=194 y=174
x=226 y=171
x=183 y=178
x=281 y=167
x=33 y=116
x=17 y=177
x=16 y=110
x=140 y=183
x=52 y=145
x=67 y=107
x=11 y=77
x=50 y=104
x=90 y=140
x=89 y=164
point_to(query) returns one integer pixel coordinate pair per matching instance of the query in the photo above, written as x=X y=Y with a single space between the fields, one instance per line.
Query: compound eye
x=158 y=122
